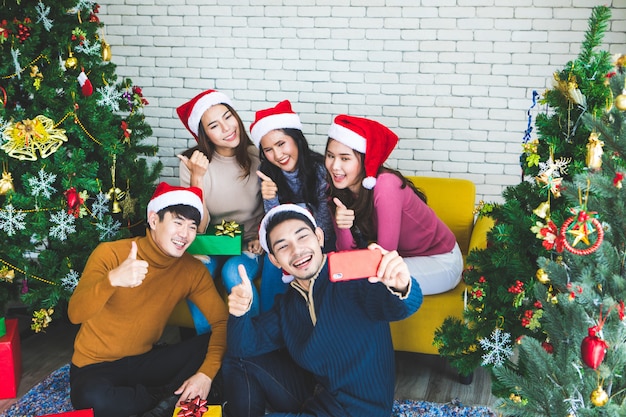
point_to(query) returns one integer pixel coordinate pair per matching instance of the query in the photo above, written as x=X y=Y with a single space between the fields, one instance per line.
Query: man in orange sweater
x=123 y=300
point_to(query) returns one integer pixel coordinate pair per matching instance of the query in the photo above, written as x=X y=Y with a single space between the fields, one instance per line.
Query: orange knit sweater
x=119 y=322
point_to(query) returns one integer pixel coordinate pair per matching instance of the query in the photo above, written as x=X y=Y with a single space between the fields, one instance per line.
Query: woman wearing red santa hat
x=291 y=172
x=373 y=203
x=223 y=165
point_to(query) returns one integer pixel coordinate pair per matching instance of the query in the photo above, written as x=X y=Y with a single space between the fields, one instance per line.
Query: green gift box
x=220 y=239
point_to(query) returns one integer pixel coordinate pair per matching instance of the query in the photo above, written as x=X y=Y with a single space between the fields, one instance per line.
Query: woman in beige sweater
x=223 y=165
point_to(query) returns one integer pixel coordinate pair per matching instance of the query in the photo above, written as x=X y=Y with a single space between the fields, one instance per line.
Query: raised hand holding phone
x=269 y=189
x=343 y=215
x=392 y=271
x=353 y=264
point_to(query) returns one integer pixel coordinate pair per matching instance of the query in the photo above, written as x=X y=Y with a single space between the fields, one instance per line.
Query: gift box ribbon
x=230 y=228
x=193 y=408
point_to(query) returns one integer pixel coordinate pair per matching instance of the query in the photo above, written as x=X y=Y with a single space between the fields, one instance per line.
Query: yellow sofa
x=453 y=200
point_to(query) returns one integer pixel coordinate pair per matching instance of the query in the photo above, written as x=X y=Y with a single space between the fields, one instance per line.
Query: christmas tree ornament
x=620 y=101
x=543 y=210
x=129 y=203
x=7 y=275
x=581 y=231
x=38 y=76
x=85 y=85
x=27 y=137
x=592 y=348
x=599 y=397
x=3 y=99
x=617 y=180
x=71 y=62
x=6 y=183
x=542 y=276
x=106 y=50
x=594 y=151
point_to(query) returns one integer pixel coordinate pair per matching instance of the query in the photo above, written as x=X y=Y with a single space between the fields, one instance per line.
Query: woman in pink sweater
x=373 y=203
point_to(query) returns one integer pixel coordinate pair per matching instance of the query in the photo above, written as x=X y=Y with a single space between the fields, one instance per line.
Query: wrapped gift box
x=213 y=411
x=10 y=360
x=218 y=241
x=77 y=413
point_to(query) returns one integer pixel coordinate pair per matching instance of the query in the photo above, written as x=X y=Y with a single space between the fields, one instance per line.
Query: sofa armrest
x=478 y=239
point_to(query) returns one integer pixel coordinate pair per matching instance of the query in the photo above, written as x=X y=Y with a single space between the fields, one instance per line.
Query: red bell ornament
x=593 y=349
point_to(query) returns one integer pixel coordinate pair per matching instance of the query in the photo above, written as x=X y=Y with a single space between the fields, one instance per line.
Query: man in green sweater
x=123 y=300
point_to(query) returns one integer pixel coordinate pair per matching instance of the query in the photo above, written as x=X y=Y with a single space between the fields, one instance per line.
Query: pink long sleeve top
x=404 y=222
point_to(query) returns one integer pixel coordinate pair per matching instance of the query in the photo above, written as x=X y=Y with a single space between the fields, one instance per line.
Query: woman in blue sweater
x=290 y=172
x=324 y=349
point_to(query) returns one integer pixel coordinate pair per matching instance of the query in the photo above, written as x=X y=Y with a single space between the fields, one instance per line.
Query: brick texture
x=453 y=78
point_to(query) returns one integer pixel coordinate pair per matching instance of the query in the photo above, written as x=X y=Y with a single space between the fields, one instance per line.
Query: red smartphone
x=353 y=264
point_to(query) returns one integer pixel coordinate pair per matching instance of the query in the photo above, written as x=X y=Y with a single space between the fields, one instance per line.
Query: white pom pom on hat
x=280 y=116
x=368 y=137
x=191 y=112
x=167 y=195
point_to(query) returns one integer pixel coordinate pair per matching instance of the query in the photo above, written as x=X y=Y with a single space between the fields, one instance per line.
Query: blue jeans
x=274 y=381
x=271 y=284
x=230 y=278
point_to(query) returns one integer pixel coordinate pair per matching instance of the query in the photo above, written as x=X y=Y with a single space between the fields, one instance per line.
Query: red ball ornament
x=593 y=349
x=73 y=199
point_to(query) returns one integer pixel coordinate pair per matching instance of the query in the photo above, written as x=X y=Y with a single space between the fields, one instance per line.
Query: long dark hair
x=307 y=165
x=363 y=229
x=207 y=147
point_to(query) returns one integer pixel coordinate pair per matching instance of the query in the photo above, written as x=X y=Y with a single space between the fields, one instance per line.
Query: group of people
x=296 y=344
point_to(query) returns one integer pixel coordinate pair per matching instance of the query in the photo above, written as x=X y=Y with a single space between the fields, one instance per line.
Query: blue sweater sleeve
x=249 y=336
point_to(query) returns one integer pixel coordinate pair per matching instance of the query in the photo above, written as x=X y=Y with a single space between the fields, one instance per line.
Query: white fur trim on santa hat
x=348 y=137
x=203 y=104
x=279 y=209
x=174 y=197
x=273 y=122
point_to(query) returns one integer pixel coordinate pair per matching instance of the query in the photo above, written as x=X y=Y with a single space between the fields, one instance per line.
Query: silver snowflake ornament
x=11 y=220
x=63 y=225
x=108 y=228
x=42 y=184
x=109 y=97
x=497 y=348
x=70 y=280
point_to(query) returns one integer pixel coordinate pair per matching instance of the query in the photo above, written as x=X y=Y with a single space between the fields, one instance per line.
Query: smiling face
x=173 y=234
x=297 y=249
x=222 y=128
x=344 y=166
x=280 y=149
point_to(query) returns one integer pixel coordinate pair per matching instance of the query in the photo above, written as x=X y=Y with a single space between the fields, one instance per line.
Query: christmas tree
x=573 y=365
x=74 y=168
x=547 y=216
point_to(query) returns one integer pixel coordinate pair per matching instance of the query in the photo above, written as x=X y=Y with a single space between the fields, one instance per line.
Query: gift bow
x=230 y=228
x=193 y=408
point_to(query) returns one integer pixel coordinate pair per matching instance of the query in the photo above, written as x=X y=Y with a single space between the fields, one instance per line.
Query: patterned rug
x=52 y=395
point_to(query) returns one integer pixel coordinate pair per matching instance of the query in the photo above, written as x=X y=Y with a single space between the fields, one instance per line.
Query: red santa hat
x=278 y=117
x=263 y=227
x=368 y=137
x=167 y=195
x=191 y=112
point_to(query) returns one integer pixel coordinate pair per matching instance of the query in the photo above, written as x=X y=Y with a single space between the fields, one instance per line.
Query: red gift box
x=77 y=413
x=10 y=360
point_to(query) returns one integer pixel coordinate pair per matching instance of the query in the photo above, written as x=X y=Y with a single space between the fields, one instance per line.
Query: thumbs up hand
x=269 y=189
x=240 y=297
x=197 y=165
x=343 y=215
x=131 y=272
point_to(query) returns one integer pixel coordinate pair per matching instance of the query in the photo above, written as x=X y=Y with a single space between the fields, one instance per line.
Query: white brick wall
x=453 y=78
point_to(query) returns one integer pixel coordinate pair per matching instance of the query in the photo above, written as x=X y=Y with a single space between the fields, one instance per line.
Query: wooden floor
x=419 y=377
